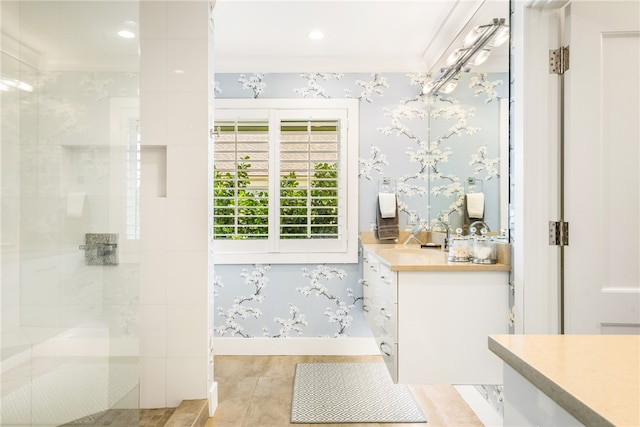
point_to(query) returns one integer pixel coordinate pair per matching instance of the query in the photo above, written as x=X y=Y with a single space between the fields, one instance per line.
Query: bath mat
x=350 y=393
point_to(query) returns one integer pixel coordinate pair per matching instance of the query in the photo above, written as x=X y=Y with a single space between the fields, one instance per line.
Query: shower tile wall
x=174 y=138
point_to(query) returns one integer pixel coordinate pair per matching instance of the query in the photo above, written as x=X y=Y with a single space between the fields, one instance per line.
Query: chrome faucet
x=479 y=222
x=445 y=247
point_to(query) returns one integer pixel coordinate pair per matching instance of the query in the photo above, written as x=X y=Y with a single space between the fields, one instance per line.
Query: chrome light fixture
x=476 y=49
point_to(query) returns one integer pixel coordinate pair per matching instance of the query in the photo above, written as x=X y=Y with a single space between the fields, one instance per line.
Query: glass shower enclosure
x=70 y=179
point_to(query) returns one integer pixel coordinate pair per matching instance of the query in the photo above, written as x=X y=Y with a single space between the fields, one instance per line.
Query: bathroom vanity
x=431 y=317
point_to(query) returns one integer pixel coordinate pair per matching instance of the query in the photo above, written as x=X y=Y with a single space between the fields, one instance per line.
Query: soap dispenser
x=484 y=249
x=459 y=247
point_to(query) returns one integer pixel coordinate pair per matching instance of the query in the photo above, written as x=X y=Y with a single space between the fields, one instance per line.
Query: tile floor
x=125 y=418
x=255 y=391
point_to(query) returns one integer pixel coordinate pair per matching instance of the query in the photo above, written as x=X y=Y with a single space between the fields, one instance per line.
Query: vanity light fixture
x=449 y=87
x=428 y=87
x=454 y=57
x=480 y=57
x=501 y=36
x=476 y=49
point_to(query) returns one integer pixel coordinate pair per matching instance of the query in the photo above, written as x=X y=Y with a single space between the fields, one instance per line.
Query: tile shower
x=63 y=176
x=70 y=173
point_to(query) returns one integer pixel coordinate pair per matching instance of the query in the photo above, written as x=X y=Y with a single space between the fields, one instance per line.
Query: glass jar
x=459 y=247
x=484 y=250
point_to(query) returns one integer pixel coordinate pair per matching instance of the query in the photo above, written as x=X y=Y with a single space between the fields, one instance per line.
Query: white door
x=602 y=173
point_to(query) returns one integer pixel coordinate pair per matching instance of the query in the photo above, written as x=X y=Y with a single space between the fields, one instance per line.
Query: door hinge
x=559 y=60
x=558 y=233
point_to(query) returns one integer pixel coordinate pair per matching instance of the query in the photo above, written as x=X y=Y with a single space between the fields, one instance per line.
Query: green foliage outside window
x=231 y=194
x=304 y=213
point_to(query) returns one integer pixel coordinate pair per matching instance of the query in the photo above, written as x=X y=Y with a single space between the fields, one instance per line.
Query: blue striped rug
x=350 y=393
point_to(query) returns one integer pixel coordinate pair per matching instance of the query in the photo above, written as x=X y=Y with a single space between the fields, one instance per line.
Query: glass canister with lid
x=484 y=249
x=459 y=247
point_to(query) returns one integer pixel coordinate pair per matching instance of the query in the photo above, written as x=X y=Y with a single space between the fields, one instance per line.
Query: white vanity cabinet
x=381 y=309
x=432 y=326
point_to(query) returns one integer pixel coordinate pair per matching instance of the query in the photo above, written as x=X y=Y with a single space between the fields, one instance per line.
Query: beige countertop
x=412 y=258
x=595 y=378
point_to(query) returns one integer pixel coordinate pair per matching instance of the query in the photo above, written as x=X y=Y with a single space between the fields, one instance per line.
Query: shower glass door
x=69 y=178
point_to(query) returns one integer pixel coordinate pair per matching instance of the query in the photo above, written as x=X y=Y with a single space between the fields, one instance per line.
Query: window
x=132 y=168
x=285 y=181
x=124 y=175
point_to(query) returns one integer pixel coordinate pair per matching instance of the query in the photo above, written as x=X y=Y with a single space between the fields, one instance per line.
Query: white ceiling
x=267 y=35
x=360 y=35
x=76 y=35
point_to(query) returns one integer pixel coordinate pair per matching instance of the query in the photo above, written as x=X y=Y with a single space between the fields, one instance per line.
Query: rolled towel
x=475 y=205
x=387 y=205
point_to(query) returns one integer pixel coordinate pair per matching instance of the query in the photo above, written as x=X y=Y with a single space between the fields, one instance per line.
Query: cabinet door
x=444 y=320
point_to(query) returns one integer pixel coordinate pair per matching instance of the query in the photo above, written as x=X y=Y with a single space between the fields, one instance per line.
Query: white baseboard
x=213 y=399
x=294 y=346
x=480 y=406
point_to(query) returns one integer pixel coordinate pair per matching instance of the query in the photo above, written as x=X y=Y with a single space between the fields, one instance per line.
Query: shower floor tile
x=125 y=418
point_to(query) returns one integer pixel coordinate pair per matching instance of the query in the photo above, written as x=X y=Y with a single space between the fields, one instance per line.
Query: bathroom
x=160 y=285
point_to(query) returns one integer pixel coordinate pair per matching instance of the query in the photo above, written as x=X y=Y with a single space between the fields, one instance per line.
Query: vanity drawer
x=383 y=321
x=380 y=307
x=388 y=284
x=370 y=277
x=379 y=290
x=389 y=352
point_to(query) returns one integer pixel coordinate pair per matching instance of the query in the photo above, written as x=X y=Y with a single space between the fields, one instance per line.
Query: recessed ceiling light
x=316 y=35
x=7 y=84
x=128 y=29
x=126 y=34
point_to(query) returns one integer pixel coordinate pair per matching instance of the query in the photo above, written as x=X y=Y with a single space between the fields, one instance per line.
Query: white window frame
x=299 y=251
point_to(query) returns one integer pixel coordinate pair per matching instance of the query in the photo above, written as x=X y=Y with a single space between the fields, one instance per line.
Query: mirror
x=398 y=122
x=468 y=127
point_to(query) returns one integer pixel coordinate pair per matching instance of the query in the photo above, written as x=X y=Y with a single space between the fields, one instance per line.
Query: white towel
x=387 y=205
x=475 y=205
x=75 y=204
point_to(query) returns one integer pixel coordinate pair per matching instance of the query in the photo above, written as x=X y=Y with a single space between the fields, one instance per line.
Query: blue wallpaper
x=428 y=146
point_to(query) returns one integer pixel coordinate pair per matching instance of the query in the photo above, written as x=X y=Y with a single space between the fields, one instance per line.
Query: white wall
x=536 y=169
x=173 y=268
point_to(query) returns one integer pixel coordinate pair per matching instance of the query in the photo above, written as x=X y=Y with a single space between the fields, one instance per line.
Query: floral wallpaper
x=430 y=146
x=254 y=301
